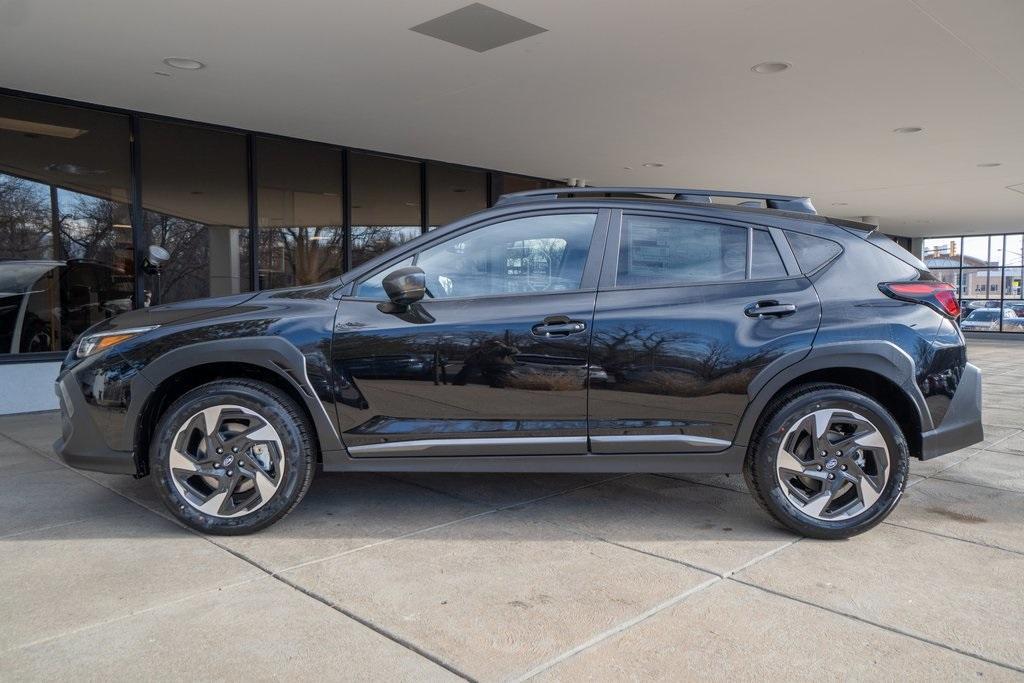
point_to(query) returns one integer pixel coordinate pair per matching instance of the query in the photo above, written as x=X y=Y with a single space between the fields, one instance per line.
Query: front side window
x=373 y=287
x=521 y=256
x=655 y=251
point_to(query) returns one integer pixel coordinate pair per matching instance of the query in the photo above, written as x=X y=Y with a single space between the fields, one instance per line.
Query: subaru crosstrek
x=562 y=330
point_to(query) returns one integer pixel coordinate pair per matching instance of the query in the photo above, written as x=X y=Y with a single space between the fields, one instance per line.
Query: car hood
x=170 y=313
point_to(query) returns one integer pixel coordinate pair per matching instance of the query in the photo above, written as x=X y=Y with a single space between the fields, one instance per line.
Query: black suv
x=562 y=330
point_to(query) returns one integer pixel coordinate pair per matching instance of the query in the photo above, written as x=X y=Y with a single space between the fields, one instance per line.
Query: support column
x=917 y=247
x=225 y=256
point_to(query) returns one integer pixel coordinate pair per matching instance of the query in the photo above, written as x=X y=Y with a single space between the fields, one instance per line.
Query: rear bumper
x=961 y=427
x=80 y=444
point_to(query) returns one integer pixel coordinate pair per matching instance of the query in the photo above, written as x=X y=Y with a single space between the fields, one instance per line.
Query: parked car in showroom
x=610 y=330
x=46 y=304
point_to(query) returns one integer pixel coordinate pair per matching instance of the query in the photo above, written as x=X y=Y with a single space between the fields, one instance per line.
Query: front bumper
x=961 y=427
x=81 y=445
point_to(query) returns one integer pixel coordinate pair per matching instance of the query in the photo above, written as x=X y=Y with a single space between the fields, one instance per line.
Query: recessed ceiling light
x=184 y=63
x=990 y=164
x=908 y=129
x=653 y=164
x=839 y=204
x=769 y=67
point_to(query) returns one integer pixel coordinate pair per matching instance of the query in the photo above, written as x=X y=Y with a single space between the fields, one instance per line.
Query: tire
x=816 y=495
x=231 y=492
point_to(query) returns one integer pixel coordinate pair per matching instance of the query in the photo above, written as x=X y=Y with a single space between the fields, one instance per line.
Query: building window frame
x=982 y=290
x=494 y=183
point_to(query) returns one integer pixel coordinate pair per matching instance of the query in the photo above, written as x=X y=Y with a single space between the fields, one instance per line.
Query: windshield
x=16 y=277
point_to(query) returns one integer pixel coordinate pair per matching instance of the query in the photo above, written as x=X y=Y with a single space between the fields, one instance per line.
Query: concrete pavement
x=506 y=577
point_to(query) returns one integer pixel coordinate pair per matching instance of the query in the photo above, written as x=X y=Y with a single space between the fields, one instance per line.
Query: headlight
x=101 y=341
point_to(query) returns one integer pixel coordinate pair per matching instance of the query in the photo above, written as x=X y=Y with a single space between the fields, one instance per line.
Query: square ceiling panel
x=478 y=27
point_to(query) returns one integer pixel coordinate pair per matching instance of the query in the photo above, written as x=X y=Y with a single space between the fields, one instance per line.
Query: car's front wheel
x=827 y=461
x=232 y=456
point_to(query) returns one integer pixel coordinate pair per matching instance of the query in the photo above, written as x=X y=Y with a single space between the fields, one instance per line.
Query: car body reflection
x=45 y=304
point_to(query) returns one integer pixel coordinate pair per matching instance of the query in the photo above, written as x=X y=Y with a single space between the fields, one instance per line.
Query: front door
x=689 y=312
x=493 y=361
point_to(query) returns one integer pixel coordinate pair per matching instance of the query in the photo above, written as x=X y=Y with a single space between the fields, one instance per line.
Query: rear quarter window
x=812 y=252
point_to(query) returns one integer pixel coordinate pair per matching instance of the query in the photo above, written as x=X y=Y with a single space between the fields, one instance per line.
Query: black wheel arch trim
x=275 y=354
x=879 y=357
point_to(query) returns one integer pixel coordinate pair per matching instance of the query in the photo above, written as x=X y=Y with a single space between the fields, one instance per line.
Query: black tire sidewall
x=761 y=467
x=271 y=404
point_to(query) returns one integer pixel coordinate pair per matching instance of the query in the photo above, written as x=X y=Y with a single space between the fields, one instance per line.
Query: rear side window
x=812 y=252
x=765 y=261
x=664 y=251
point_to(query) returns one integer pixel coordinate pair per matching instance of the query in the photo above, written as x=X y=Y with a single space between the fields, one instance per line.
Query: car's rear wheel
x=827 y=461
x=232 y=456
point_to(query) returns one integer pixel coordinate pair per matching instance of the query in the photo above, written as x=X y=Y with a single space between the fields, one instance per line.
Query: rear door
x=689 y=311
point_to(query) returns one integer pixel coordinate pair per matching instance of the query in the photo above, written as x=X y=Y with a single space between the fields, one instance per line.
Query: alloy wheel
x=227 y=461
x=833 y=464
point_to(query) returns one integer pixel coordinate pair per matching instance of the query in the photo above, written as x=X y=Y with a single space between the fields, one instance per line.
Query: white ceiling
x=610 y=84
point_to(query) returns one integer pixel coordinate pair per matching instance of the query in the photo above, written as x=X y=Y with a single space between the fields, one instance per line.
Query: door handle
x=558 y=326
x=769 y=309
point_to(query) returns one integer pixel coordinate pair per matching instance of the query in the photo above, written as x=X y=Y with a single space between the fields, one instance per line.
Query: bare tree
x=24 y=219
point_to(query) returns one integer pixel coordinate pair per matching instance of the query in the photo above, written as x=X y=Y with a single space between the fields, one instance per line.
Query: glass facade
x=66 y=249
x=301 y=214
x=84 y=190
x=987 y=272
x=453 y=192
x=385 y=203
x=196 y=206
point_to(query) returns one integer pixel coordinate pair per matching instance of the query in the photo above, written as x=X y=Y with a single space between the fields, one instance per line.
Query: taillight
x=939 y=295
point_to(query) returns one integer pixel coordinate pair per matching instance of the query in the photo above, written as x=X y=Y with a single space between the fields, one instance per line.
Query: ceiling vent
x=478 y=27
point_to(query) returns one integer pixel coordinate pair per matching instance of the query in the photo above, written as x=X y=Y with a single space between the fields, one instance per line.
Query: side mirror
x=404 y=287
x=156 y=257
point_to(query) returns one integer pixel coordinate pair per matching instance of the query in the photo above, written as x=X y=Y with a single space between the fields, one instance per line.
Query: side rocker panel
x=729 y=461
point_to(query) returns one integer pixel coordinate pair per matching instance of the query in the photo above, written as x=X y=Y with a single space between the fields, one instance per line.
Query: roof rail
x=780 y=202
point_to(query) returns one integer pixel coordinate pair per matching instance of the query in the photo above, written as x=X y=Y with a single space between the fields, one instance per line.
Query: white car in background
x=987 y=319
